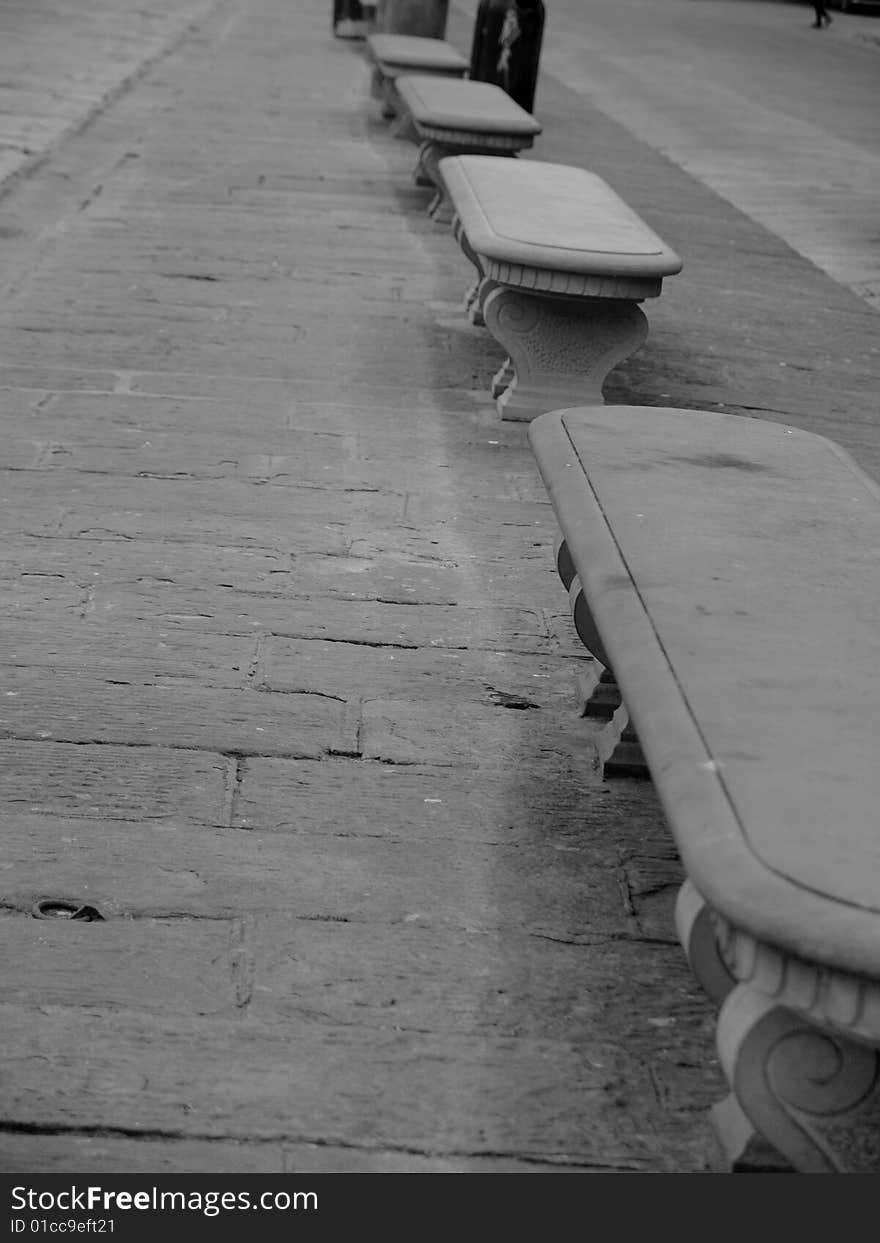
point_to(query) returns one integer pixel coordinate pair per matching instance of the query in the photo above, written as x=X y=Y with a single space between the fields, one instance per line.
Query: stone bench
x=393 y=55
x=453 y=117
x=727 y=570
x=562 y=264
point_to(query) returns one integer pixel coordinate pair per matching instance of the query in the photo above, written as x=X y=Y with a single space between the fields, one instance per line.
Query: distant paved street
x=61 y=64
x=780 y=119
x=289 y=678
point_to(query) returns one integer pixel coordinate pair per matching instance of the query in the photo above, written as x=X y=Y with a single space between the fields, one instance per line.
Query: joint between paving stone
x=241 y=959
x=235 y=768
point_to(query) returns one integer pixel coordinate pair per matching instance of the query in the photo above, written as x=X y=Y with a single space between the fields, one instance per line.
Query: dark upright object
x=349 y=19
x=507 y=46
x=424 y=18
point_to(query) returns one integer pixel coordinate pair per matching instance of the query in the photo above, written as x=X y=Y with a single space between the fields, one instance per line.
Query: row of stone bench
x=723 y=574
x=561 y=261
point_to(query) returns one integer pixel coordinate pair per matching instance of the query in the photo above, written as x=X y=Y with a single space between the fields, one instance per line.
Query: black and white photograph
x=440 y=502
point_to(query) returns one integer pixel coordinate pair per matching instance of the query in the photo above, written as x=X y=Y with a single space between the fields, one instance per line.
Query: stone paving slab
x=115 y=782
x=362 y=879
x=180 y=968
x=490 y=1094
x=90 y=708
x=142 y=655
x=497 y=678
x=88 y=1154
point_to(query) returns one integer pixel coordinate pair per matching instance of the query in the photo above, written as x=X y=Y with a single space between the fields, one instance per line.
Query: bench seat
x=562 y=264
x=727 y=570
x=453 y=117
x=393 y=55
x=411 y=53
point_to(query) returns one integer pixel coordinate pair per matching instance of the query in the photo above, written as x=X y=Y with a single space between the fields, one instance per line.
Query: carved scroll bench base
x=799 y=1044
x=724 y=570
x=560 y=350
x=562 y=264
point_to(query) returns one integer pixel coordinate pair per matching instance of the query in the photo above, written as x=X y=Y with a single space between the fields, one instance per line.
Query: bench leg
x=561 y=348
x=809 y=1091
x=598 y=691
x=564 y=564
x=478 y=295
x=743 y=1149
x=376 y=81
x=584 y=624
x=440 y=209
x=472 y=295
x=502 y=379
x=420 y=177
x=402 y=127
x=388 y=96
x=602 y=695
x=618 y=748
x=696 y=933
x=472 y=305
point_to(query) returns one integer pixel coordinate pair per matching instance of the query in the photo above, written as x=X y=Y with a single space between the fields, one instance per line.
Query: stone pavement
x=289 y=675
x=63 y=64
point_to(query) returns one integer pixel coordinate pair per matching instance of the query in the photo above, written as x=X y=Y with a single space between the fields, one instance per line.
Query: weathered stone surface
x=497 y=679
x=116 y=783
x=372 y=622
x=398 y=575
x=39 y=593
x=41 y=378
x=500 y=984
x=358 y=876
x=156 y=966
x=430 y=803
x=303 y=392
x=400 y=732
x=145 y=656
x=49 y=1153
x=68 y=39
x=481 y=1096
x=552 y=217
x=87 y=709
x=186 y=508
x=344 y=462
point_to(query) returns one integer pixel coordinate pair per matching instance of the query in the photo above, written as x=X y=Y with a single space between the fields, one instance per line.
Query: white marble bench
x=393 y=55
x=453 y=117
x=727 y=570
x=562 y=265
